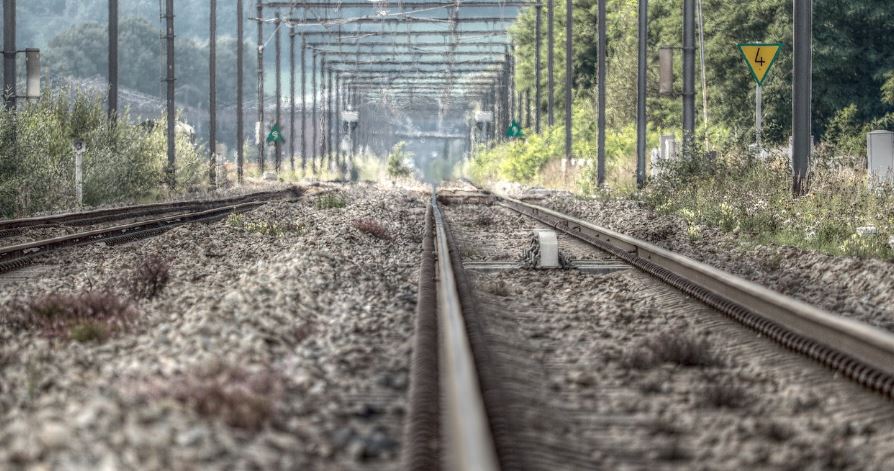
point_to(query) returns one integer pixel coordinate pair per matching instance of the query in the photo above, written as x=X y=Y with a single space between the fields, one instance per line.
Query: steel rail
x=857 y=350
x=468 y=439
x=83 y=218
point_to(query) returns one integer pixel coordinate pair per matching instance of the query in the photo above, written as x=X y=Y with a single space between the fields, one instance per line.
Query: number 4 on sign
x=760 y=59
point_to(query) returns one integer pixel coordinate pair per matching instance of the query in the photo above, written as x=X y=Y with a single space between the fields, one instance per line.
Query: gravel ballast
x=281 y=341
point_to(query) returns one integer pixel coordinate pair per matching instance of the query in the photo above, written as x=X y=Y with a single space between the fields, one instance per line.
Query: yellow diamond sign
x=760 y=58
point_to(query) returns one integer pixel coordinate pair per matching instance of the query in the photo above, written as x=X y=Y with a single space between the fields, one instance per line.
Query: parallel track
x=11 y=227
x=17 y=256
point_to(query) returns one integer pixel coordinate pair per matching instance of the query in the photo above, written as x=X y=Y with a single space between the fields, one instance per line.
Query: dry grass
x=373 y=228
x=497 y=288
x=85 y=317
x=150 y=277
x=233 y=395
x=677 y=348
x=725 y=396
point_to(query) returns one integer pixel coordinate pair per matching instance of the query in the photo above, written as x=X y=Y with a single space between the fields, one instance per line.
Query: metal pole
x=277 y=146
x=802 y=88
x=9 y=53
x=292 y=100
x=688 y=76
x=212 y=106
x=537 y=97
x=113 y=59
x=600 y=92
x=313 y=143
x=758 y=116
x=303 y=109
x=172 y=109
x=641 y=95
x=569 y=79
x=261 y=126
x=550 y=82
x=240 y=124
x=329 y=117
x=528 y=108
x=338 y=97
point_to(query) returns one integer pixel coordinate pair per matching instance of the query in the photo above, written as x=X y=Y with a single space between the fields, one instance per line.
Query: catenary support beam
x=569 y=76
x=212 y=91
x=538 y=99
x=260 y=125
x=688 y=76
x=171 y=105
x=240 y=89
x=643 y=38
x=277 y=144
x=600 y=93
x=9 y=53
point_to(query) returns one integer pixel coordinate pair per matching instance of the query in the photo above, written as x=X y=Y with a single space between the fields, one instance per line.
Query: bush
x=89 y=316
x=373 y=228
x=671 y=347
x=149 y=277
x=122 y=161
x=398 y=159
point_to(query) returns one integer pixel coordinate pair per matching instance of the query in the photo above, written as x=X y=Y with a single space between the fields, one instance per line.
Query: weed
x=373 y=228
x=680 y=349
x=484 y=220
x=673 y=451
x=776 y=431
x=150 y=277
x=89 y=316
x=233 y=395
x=497 y=288
x=725 y=396
x=89 y=331
x=397 y=161
x=330 y=201
x=267 y=227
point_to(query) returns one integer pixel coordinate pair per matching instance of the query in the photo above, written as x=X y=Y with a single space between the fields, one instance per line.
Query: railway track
x=461 y=415
x=9 y=227
x=16 y=256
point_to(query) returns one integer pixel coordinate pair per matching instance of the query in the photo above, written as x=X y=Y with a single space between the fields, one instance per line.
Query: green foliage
x=330 y=201
x=122 y=162
x=888 y=89
x=753 y=199
x=397 y=161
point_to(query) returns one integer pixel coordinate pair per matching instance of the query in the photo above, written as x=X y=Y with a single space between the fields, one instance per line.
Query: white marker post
x=759 y=115
x=79 y=147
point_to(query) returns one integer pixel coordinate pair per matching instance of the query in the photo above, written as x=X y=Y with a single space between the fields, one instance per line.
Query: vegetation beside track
x=123 y=162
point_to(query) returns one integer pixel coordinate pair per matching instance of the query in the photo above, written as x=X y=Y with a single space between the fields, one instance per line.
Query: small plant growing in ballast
x=397 y=161
x=373 y=228
x=150 y=277
x=330 y=201
x=92 y=316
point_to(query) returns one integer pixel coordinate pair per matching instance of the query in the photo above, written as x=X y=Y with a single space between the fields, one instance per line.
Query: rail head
x=868 y=344
x=467 y=430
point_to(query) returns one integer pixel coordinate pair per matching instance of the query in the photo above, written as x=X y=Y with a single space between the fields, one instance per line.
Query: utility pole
x=292 y=100
x=261 y=127
x=172 y=109
x=113 y=59
x=277 y=146
x=641 y=94
x=802 y=91
x=329 y=129
x=688 y=76
x=569 y=79
x=303 y=111
x=337 y=130
x=240 y=124
x=212 y=106
x=600 y=112
x=550 y=82
x=313 y=78
x=9 y=53
x=537 y=41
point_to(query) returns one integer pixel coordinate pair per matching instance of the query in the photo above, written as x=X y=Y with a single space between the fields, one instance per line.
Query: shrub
x=397 y=161
x=149 y=277
x=236 y=396
x=678 y=348
x=89 y=316
x=122 y=161
x=725 y=396
x=373 y=228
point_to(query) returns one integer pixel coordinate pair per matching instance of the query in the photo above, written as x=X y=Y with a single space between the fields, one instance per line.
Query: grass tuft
x=725 y=396
x=92 y=316
x=236 y=396
x=150 y=277
x=679 y=349
x=373 y=228
x=330 y=201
